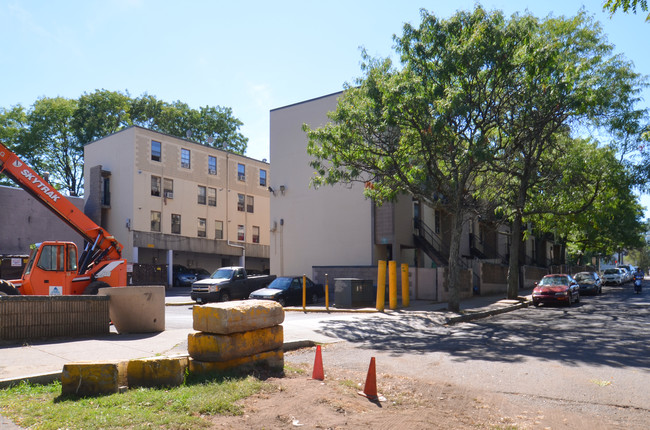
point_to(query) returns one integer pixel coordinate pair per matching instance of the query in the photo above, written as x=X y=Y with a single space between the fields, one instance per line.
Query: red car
x=556 y=289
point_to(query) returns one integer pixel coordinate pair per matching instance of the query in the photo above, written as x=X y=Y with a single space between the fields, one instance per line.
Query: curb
x=487 y=313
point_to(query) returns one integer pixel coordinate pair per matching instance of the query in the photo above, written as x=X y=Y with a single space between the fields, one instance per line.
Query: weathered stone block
x=272 y=360
x=237 y=316
x=223 y=347
x=91 y=378
x=157 y=371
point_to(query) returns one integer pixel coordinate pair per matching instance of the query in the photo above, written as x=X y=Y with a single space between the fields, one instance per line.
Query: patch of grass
x=184 y=407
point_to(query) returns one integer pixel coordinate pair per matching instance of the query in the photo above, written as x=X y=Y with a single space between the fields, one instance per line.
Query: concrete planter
x=136 y=309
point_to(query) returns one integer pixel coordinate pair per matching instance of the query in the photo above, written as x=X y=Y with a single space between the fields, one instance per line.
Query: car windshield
x=222 y=274
x=585 y=278
x=280 y=283
x=612 y=272
x=554 y=280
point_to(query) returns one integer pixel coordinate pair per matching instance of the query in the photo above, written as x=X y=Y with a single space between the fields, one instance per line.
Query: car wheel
x=536 y=304
x=577 y=298
x=568 y=302
x=282 y=301
x=225 y=296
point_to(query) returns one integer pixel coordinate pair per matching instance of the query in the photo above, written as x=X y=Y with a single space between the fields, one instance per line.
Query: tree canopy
x=482 y=110
x=50 y=135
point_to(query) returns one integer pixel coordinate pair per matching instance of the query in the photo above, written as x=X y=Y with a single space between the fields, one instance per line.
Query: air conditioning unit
x=169 y=194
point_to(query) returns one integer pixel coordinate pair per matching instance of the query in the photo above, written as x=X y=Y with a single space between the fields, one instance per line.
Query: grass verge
x=184 y=407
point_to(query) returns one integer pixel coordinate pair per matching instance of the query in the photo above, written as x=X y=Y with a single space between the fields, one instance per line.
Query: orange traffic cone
x=370 y=389
x=318 y=366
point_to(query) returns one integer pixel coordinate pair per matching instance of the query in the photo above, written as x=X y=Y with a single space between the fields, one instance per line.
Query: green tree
x=51 y=134
x=626 y=5
x=568 y=81
x=100 y=114
x=12 y=127
x=50 y=143
x=428 y=129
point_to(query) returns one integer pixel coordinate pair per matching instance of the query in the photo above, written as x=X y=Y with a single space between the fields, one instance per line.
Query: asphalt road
x=593 y=357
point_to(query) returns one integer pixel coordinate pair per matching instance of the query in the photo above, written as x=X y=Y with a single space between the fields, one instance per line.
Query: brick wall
x=34 y=317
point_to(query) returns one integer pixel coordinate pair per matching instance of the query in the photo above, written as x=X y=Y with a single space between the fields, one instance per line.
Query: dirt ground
x=297 y=401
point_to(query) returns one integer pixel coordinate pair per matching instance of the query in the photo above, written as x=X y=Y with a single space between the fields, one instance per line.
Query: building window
x=262 y=177
x=212 y=165
x=436 y=222
x=155 y=151
x=155 y=186
x=249 y=204
x=168 y=188
x=201 y=196
x=106 y=191
x=256 y=234
x=212 y=196
x=185 y=158
x=241 y=199
x=201 y=228
x=241 y=172
x=155 y=221
x=176 y=224
x=241 y=235
x=218 y=229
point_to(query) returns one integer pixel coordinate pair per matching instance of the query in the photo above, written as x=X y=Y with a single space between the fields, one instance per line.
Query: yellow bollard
x=381 y=285
x=327 y=292
x=406 y=300
x=304 y=291
x=392 y=284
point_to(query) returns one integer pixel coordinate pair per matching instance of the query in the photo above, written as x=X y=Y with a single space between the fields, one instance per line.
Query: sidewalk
x=42 y=361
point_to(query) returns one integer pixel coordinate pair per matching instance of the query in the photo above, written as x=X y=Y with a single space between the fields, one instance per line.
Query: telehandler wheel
x=8 y=289
x=93 y=288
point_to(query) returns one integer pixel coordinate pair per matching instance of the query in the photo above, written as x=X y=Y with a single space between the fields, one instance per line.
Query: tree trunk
x=454 y=258
x=513 y=263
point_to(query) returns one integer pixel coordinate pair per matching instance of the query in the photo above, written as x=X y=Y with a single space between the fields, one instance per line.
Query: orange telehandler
x=53 y=267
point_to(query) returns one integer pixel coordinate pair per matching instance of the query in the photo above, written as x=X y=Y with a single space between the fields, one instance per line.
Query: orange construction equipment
x=318 y=366
x=54 y=267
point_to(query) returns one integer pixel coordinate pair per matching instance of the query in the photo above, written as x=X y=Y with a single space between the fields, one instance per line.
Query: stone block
x=272 y=360
x=157 y=371
x=237 y=316
x=223 y=347
x=92 y=378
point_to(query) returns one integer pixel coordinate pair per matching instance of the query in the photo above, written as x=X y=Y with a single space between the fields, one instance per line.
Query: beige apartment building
x=173 y=201
x=336 y=230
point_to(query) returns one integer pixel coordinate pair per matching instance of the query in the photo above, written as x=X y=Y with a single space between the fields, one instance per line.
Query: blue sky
x=251 y=56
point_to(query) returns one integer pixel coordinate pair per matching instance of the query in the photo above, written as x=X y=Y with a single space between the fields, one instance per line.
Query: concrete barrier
x=34 y=317
x=237 y=316
x=223 y=347
x=272 y=360
x=92 y=378
x=157 y=371
x=136 y=309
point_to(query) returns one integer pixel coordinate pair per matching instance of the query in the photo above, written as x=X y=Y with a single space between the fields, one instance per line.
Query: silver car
x=613 y=276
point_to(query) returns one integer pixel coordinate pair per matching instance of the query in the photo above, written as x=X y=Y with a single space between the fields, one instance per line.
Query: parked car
x=201 y=273
x=287 y=290
x=182 y=276
x=614 y=276
x=556 y=288
x=228 y=283
x=589 y=282
x=629 y=272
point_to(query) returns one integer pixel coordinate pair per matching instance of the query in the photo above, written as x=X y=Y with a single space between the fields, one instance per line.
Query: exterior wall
x=329 y=226
x=26 y=221
x=127 y=156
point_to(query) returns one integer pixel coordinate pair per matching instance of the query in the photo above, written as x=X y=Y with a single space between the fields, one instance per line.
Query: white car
x=614 y=276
